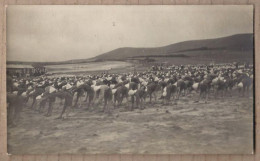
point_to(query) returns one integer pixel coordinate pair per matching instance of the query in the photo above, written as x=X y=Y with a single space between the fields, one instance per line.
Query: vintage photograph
x=127 y=79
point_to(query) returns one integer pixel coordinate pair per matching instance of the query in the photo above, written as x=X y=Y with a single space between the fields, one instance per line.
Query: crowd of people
x=112 y=90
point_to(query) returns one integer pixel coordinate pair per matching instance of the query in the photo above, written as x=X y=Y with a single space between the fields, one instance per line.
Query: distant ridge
x=231 y=47
x=235 y=43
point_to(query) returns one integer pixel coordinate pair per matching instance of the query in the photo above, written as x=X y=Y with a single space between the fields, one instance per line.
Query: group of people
x=168 y=84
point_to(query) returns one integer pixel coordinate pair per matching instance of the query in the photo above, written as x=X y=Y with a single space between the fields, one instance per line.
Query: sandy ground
x=88 y=67
x=223 y=125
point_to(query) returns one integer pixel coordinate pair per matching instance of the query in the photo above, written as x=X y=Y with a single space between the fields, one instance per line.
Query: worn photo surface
x=130 y=79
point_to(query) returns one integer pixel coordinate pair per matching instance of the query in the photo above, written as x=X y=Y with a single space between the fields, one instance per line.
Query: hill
x=237 y=47
x=232 y=46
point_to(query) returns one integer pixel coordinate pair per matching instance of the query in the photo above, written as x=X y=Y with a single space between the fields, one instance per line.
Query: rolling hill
x=241 y=43
x=237 y=47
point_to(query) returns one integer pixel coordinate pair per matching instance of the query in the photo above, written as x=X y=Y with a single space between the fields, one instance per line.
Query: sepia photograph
x=130 y=79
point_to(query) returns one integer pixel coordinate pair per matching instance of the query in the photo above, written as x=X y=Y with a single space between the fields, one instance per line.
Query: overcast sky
x=57 y=33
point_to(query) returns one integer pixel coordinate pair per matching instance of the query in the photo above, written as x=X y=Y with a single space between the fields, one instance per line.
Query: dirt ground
x=223 y=126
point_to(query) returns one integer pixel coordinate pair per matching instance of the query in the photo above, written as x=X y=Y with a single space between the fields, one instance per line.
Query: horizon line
x=10 y=61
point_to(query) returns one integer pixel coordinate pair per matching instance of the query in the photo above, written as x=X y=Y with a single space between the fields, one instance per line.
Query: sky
x=57 y=33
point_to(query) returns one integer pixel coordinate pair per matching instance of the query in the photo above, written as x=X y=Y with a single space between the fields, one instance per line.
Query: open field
x=223 y=125
x=122 y=66
x=88 y=67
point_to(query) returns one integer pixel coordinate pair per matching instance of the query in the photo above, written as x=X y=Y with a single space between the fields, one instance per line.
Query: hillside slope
x=225 y=49
x=230 y=44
